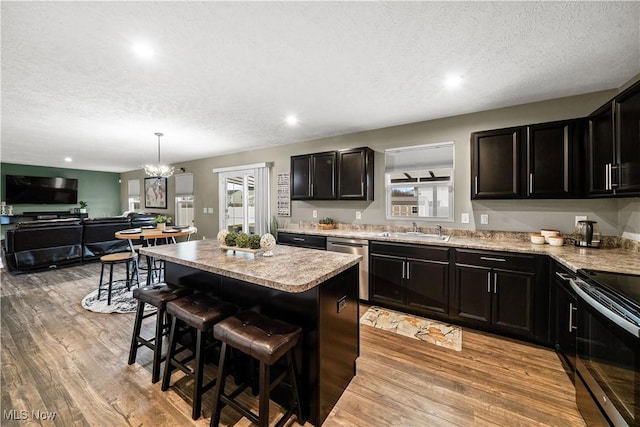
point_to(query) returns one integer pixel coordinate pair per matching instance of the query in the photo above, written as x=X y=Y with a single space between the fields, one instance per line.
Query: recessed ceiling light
x=453 y=81
x=143 y=50
x=68 y=159
x=291 y=120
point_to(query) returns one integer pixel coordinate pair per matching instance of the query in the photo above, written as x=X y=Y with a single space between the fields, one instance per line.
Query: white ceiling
x=226 y=74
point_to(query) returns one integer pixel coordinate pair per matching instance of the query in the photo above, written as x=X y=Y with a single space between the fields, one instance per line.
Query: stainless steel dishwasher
x=357 y=247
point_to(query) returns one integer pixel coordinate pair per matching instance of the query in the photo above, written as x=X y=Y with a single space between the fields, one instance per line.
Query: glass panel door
x=239 y=209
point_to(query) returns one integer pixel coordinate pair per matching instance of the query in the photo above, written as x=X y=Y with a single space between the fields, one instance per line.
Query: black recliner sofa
x=42 y=244
x=37 y=245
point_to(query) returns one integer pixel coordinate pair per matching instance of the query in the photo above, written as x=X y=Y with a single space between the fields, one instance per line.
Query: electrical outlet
x=314 y=214
x=204 y=210
x=464 y=218
x=484 y=219
x=358 y=215
x=580 y=218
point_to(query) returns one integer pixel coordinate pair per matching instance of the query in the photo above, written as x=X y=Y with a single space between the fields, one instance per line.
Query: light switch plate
x=315 y=214
x=204 y=210
x=464 y=218
x=210 y=210
x=484 y=219
x=358 y=215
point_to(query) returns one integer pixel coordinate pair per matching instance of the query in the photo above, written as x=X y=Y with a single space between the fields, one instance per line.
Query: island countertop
x=291 y=269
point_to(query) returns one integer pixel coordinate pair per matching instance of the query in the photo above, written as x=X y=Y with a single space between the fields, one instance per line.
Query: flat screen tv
x=20 y=189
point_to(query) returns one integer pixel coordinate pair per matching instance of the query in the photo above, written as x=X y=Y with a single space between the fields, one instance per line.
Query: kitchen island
x=316 y=290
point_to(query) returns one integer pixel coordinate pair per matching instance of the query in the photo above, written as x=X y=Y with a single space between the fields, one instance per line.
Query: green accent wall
x=101 y=190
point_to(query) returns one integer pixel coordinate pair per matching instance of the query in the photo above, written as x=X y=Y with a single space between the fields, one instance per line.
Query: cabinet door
x=301 y=177
x=355 y=174
x=472 y=293
x=549 y=160
x=600 y=150
x=565 y=319
x=323 y=184
x=628 y=142
x=495 y=164
x=428 y=286
x=387 y=277
x=513 y=301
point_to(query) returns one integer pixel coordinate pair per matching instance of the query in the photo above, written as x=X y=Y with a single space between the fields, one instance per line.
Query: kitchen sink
x=415 y=235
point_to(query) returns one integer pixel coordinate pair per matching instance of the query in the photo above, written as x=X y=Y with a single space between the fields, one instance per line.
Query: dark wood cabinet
x=600 y=147
x=313 y=176
x=495 y=164
x=343 y=175
x=614 y=146
x=564 y=309
x=628 y=141
x=355 y=174
x=412 y=278
x=302 y=240
x=550 y=159
x=495 y=290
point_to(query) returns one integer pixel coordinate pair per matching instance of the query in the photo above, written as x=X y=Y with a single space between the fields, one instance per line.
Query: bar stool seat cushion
x=159 y=294
x=200 y=311
x=117 y=257
x=262 y=338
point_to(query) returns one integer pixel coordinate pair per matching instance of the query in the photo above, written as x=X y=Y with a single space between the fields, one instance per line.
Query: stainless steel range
x=608 y=347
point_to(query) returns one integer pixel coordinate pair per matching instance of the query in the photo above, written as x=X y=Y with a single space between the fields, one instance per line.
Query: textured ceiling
x=226 y=74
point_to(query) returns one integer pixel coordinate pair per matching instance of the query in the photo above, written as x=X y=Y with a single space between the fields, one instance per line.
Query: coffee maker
x=587 y=234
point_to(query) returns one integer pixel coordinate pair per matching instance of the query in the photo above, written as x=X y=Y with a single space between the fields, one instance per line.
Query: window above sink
x=419 y=182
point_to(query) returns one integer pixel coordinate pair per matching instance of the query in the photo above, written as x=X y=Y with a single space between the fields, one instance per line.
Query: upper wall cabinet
x=313 y=176
x=533 y=161
x=342 y=175
x=495 y=164
x=355 y=174
x=614 y=146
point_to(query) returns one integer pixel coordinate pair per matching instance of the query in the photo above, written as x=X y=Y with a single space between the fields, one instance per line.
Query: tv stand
x=31 y=216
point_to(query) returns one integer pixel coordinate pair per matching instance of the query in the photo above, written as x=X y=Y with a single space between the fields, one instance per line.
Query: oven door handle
x=596 y=305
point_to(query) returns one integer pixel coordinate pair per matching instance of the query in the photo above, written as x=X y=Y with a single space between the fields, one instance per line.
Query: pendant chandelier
x=158 y=170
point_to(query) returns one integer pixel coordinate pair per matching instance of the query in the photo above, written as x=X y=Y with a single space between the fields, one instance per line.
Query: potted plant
x=83 y=206
x=326 y=224
x=161 y=221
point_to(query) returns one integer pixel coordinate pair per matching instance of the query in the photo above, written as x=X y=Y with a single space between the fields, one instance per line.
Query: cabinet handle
x=298 y=239
x=495 y=283
x=476 y=184
x=488 y=282
x=486 y=258
x=403 y=266
x=408 y=276
x=530 y=183
x=611 y=176
x=571 y=310
x=362 y=188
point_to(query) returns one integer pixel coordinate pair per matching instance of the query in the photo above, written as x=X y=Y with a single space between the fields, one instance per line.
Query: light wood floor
x=58 y=357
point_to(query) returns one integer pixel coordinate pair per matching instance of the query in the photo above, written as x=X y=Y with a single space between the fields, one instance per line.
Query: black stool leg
x=220 y=382
x=291 y=360
x=133 y=351
x=263 y=413
x=157 y=352
x=101 y=278
x=197 y=389
x=168 y=366
x=127 y=278
x=110 y=283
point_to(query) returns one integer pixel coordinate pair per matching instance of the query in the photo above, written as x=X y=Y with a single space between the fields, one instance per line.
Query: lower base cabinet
x=564 y=311
x=413 y=278
x=501 y=292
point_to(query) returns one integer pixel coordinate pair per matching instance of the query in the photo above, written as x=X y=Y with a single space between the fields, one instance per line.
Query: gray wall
x=616 y=216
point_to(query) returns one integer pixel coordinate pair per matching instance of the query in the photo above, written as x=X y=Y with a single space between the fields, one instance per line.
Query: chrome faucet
x=415 y=227
x=439 y=230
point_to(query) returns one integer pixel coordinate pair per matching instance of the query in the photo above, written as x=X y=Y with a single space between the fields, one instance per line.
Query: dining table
x=148 y=237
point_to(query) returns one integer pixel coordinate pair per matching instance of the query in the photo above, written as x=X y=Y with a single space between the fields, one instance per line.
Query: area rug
x=419 y=328
x=122 y=300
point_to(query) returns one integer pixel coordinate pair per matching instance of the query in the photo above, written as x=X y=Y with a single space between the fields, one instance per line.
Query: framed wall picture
x=155 y=193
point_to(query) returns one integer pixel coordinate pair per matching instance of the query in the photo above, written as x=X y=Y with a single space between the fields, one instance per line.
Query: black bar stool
x=157 y=295
x=268 y=341
x=200 y=312
x=127 y=258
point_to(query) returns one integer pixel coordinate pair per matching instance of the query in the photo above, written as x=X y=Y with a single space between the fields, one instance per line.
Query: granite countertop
x=618 y=260
x=291 y=269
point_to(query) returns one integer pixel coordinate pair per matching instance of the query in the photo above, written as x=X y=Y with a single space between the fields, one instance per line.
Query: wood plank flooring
x=58 y=357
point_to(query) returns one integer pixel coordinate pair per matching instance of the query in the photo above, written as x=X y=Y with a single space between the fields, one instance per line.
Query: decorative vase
x=161 y=225
x=267 y=243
